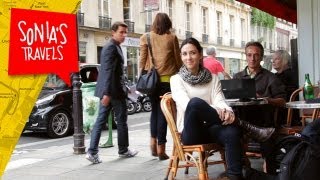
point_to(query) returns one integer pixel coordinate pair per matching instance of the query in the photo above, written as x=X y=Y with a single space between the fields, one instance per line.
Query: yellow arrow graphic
x=19 y=93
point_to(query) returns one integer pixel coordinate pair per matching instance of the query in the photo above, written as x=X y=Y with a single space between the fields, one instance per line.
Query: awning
x=284 y=9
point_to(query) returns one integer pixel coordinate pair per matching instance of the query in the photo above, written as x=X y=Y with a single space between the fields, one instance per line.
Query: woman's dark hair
x=161 y=24
x=192 y=41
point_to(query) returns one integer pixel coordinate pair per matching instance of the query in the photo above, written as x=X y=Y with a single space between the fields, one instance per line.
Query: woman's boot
x=153 y=146
x=261 y=134
x=162 y=152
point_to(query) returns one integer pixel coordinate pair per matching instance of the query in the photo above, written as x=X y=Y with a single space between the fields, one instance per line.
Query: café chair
x=192 y=155
x=309 y=113
x=305 y=113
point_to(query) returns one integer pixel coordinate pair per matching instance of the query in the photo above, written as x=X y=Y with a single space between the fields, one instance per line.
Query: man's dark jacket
x=111 y=76
x=267 y=85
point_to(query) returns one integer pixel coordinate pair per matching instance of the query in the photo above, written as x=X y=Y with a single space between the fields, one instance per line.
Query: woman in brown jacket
x=167 y=61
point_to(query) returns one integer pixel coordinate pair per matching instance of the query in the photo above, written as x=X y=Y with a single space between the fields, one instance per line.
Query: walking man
x=112 y=92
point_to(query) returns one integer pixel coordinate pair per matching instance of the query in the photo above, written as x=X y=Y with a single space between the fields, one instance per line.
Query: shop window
x=132 y=64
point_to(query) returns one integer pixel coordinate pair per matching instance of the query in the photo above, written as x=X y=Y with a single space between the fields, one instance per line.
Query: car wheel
x=139 y=107
x=131 y=107
x=59 y=124
x=147 y=106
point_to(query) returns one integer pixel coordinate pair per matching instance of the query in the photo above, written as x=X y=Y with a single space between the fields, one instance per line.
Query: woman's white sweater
x=182 y=92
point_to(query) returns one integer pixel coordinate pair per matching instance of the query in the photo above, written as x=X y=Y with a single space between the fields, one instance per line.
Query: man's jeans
x=120 y=109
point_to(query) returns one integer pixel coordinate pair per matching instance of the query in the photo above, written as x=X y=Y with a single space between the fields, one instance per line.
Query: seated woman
x=202 y=113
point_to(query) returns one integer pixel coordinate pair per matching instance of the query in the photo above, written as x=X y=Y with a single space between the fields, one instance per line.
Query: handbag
x=148 y=80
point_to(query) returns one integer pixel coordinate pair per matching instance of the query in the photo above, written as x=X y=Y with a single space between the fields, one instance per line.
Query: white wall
x=309 y=39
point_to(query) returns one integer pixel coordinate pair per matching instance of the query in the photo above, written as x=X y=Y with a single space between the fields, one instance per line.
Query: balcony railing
x=205 y=38
x=243 y=44
x=232 y=42
x=105 y=22
x=130 y=26
x=219 y=40
x=147 y=28
x=188 y=34
x=80 y=18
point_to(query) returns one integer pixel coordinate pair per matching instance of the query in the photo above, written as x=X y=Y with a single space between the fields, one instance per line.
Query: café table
x=240 y=107
x=304 y=105
x=252 y=147
x=237 y=102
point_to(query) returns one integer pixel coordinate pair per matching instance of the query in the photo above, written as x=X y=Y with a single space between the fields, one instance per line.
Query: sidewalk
x=59 y=162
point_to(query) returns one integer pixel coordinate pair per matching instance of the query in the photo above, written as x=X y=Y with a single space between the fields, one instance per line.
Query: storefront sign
x=150 y=5
x=129 y=41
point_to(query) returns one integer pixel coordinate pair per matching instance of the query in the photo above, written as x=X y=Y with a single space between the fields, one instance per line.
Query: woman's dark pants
x=202 y=125
x=158 y=123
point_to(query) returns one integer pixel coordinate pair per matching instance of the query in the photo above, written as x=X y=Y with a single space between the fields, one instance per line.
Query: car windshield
x=54 y=82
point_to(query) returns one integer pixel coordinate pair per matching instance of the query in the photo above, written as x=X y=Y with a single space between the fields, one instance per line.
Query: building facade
x=222 y=23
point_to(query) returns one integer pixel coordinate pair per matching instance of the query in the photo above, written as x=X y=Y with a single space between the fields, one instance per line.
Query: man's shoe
x=261 y=134
x=129 y=153
x=93 y=158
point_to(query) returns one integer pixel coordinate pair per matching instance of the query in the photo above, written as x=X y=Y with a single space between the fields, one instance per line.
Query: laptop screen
x=243 y=89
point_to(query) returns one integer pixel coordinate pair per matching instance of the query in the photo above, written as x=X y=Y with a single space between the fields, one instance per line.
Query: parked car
x=52 y=112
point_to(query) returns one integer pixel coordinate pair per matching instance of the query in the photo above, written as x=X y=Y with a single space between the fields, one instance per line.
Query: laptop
x=242 y=89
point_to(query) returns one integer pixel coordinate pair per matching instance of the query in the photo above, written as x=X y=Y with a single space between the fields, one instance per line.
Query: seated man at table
x=267 y=86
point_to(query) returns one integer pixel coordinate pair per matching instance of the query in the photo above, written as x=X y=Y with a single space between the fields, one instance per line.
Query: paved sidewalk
x=59 y=162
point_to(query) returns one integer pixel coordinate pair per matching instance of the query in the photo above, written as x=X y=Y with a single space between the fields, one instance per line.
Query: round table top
x=236 y=102
x=302 y=105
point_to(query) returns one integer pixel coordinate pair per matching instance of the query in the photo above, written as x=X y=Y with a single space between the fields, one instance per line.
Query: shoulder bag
x=148 y=81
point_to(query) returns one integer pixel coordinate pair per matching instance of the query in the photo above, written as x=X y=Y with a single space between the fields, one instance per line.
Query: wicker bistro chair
x=184 y=153
x=309 y=113
x=305 y=113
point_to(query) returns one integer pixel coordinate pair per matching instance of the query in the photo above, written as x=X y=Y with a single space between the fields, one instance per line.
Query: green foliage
x=261 y=18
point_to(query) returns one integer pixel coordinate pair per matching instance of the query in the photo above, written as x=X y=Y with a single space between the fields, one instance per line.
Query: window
x=270 y=39
x=170 y=11
x=126 y=9
x=82 y=51
x=188 y=17
x=103 y=7
x=253 y=32
x=104 y=18
x=53 y=81
x=282 y=39
x=219 y=24
x=132 y=64
x=149 y=17
x=89 y=74
x=259 y=31
x=243 y=29
x=265 y=34
x=231 y=27
x=234 y=65
x=204 y=12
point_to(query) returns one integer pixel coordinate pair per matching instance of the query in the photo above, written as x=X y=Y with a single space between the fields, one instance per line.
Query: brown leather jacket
x=166 y=53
